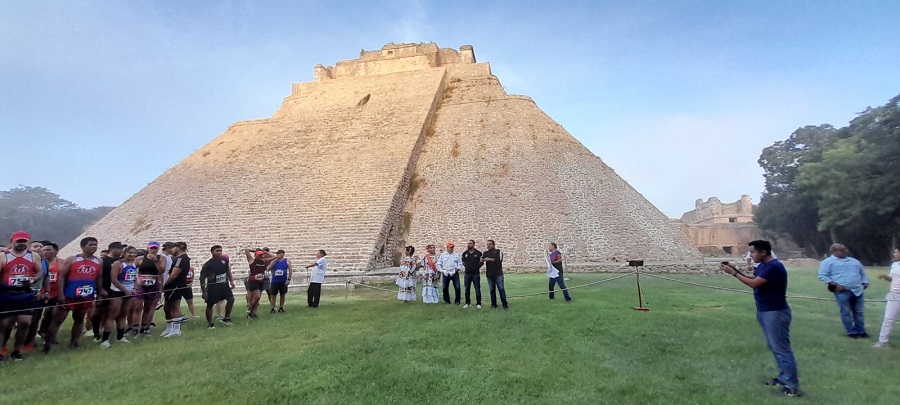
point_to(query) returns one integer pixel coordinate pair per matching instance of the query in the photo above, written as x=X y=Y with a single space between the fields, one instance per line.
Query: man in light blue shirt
x=846 y=278
x=448 y=264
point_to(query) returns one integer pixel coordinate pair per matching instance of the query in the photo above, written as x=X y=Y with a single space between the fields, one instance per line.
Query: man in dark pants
x=555 y=271
x=493 y=264
x=769 y=284
x=449 y=264
x=471 y=259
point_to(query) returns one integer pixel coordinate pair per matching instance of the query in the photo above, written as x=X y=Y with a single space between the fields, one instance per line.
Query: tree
x=44 y=214
x=785 y=208
x=825 y=185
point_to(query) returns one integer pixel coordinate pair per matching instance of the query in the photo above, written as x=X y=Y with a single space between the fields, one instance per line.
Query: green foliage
x=44 y=214
x=826 y=185
x=696 y=346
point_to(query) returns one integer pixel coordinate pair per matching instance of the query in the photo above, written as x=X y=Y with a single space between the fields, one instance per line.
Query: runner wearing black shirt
x=216 y=283
x=174 y=288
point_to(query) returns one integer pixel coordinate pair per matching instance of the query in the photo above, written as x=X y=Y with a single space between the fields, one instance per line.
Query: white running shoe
x=478 y=306
x=123 y=340
x=466 y=306
x=165 y=333
x=173 y=334
x=105 y=344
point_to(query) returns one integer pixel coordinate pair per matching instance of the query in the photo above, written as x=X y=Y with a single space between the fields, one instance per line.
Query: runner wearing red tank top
x=20 y=268
x=80 y=281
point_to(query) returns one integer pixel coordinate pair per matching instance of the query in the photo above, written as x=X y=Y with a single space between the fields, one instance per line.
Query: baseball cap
x=259 y=252
x=430 y=245
x=450 y=244
x=20 y=235
x=153 y=244
x=116 y=245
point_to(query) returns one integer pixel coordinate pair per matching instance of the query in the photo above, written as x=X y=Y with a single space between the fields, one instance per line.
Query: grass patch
x=696 y=346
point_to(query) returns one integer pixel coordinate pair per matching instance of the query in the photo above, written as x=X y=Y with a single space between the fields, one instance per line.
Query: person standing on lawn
x=773 y=314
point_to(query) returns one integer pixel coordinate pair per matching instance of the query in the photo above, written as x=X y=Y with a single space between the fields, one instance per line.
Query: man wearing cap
x=449 y=264
x=19 y=269
x=174 y=288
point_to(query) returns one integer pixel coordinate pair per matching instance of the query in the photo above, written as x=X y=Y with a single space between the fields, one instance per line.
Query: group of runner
x=118 y=291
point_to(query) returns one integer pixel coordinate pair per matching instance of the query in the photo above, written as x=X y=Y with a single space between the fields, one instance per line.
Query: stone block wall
x=324 y=172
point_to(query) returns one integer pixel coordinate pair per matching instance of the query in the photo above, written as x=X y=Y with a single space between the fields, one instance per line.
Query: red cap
x=19 y=236
x=450 y=244
x=260 y=252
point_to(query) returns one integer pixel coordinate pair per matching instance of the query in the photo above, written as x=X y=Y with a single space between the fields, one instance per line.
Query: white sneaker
x=879 y=344
x=478 y=306
x=173 y=334
x=165 y=333
x=466 y=306
x=123 y=340
x=105 y=344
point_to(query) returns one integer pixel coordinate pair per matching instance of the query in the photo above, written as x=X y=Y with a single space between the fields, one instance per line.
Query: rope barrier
x=511 y=296
x=95 y=300
x=799 y=297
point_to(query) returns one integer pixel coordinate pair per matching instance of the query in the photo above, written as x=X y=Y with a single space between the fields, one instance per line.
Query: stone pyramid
x=410 y=144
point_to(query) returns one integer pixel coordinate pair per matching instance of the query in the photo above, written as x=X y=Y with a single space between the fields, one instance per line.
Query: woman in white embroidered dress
x=406 y=280
x=430 y=276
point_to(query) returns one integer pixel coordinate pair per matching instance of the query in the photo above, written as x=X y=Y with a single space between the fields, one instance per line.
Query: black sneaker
x=775 y=382
x=46 y=349
x=790 y=393
x=211 y=326
x=272 y=311
x=863 y=335
x=281 y=310
x=16 y=356
x=506 y=307
x=73 y=345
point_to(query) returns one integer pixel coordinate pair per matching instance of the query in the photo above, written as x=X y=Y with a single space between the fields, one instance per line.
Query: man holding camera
x=769 y=286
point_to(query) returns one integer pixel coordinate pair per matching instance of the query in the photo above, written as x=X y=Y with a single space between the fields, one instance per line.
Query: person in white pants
x=893 y=301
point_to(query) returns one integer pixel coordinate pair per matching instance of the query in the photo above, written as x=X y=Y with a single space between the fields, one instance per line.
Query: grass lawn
x=696 y=346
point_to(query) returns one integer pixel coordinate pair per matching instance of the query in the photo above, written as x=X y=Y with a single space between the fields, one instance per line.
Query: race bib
x=130 y=277
x=279 y=273
x=52 y=277
x=19 y=281
x=84 y=291
x=149 y=282
x=220 y=278
x=260 y=277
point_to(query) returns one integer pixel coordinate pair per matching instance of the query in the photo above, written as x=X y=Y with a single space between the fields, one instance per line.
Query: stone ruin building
x=410 y=144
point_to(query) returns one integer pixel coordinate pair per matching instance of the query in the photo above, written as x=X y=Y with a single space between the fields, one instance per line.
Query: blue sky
x=679 y=97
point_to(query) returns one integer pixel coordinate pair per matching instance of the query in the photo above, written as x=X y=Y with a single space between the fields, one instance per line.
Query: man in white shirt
x=316 y=278
x=448 y=264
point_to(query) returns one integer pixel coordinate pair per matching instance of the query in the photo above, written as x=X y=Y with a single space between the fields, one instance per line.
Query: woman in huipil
x=406 y=280
x=430 y=276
